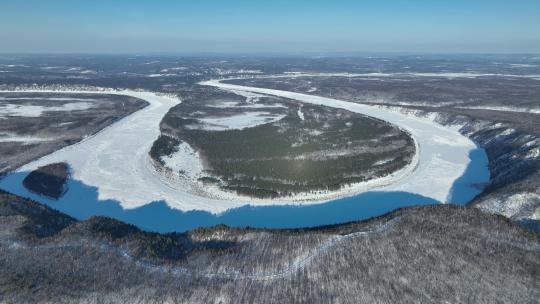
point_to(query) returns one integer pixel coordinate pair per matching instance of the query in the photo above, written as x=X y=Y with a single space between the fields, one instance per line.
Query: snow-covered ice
x=11 y=137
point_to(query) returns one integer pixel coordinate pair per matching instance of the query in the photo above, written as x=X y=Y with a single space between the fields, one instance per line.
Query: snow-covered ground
x=162 y=75
x=301 y=114
x=252 y=101
x=12 y=137
x=185 y=161
x=116 y=162
x=49 y=98
x=36 y=111
x=250 y=97
x=504 y=109
x=240 y=121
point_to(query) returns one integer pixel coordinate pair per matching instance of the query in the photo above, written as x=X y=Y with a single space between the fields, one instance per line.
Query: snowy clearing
x=185 y=161
x=162 y=75
x=240 y=121
x=503 y=109
x=300 y=114
x=12 y=137
x=36 y=111
x=49 y=98
x=443 y=152
x=252 y=101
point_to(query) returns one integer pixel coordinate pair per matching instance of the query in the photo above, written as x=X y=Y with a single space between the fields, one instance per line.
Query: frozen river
x=111 y=176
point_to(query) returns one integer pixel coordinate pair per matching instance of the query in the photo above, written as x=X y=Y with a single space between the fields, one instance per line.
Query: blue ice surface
x=81 y=201
x=471 y=183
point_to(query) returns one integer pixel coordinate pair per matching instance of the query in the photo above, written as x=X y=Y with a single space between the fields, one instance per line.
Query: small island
x=49 y=180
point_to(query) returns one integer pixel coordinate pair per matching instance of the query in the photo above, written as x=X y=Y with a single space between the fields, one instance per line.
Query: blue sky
x=241 y=26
